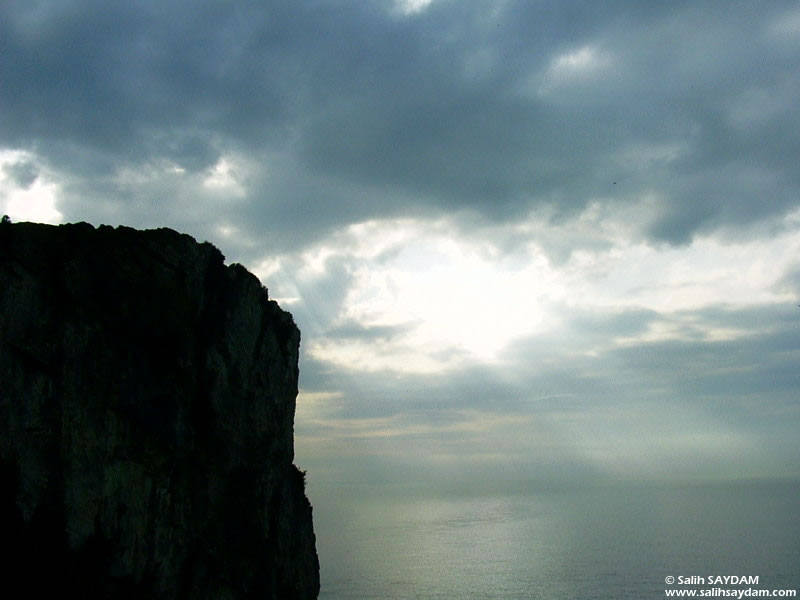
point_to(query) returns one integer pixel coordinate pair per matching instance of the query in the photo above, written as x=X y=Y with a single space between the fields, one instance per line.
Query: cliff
x=147 y=397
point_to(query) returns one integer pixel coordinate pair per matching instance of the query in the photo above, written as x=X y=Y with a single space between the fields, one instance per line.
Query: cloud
x=350 y=330
x=650 y=362
x=650 y=409
x=411 y=7
x=26 y=195
x=790 y=282
x=357 y=114
x=22 y=173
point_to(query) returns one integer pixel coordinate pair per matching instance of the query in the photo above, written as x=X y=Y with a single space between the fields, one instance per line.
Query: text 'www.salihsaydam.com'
x=713 y=589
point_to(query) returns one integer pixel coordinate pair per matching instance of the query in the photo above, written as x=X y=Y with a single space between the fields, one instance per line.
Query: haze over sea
x=602 y=542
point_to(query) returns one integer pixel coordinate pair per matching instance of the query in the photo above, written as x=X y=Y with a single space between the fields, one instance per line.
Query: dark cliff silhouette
x=147 y=398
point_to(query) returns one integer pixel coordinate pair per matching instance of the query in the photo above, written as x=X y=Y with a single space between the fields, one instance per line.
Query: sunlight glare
x=33 y=200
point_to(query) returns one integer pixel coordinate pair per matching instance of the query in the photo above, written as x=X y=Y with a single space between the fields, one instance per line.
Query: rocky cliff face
x=147 y=396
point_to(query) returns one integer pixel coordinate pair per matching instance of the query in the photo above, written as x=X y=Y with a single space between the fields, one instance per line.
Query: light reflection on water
x=392 y=542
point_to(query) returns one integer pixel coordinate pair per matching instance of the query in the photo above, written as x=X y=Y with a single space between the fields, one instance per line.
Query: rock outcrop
x=147 y=397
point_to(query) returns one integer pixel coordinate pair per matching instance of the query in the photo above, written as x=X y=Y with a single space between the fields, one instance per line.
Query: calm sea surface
x=607 y=543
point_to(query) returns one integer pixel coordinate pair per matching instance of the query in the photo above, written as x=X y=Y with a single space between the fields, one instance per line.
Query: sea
x=605 y=542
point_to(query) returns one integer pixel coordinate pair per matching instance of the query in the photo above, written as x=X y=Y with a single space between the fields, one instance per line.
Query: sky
x=523 y=240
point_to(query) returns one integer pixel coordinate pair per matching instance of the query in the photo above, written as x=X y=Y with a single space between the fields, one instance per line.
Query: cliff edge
x=147 y=399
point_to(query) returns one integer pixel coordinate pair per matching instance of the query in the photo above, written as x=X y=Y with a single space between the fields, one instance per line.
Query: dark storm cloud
x=22 y=173
x=474 y=140
x=135 y=80
x=374 y=114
